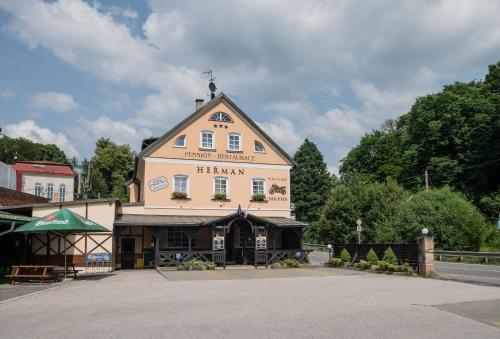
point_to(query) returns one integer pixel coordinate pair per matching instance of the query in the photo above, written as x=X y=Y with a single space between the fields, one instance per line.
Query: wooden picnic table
x=70 y=269
x=32 y=272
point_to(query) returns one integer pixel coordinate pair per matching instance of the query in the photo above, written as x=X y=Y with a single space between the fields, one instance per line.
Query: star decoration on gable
x=215 y=126
x=225 y=126
x=220 y=125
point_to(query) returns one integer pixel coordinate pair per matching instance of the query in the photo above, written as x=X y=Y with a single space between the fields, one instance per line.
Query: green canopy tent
x=62 y=222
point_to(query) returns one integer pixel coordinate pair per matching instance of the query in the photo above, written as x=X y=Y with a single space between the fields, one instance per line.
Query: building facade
x=46 y=179
x=214 y=187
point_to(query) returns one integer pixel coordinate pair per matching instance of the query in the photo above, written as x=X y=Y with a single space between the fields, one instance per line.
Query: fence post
x=426 y=256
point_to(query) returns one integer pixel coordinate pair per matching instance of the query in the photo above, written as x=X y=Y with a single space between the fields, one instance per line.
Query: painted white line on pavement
x=468 y=269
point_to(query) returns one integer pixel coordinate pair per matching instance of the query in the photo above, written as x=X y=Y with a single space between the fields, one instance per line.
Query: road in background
x=475 y=273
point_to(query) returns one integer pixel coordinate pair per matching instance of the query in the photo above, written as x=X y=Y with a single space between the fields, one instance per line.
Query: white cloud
x=54 y=101
x=336 y=124
x=329 y=70
x=283 y=132
x=122 y=132
x=7 y=93
x=30 y=130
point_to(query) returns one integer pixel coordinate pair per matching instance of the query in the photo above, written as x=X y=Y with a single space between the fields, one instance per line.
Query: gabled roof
x=43 y=167
x=209 y=105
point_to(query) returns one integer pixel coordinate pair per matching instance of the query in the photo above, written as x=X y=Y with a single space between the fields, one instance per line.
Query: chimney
x=199 y=103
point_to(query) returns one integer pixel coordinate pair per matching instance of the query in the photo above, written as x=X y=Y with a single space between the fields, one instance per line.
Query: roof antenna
x=211 y=84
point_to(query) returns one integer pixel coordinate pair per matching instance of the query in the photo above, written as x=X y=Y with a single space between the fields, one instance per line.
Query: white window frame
x=50 y=188
x=213 y=139
x=227 y=185
x=240 y=141
x=219 y=117
x=39 y=191
x=180 y=146
x=261 y=145
x=263 y=186
x=62 y=197
x=181 y=176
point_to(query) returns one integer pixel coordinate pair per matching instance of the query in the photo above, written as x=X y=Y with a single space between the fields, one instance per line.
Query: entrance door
x=128 y=251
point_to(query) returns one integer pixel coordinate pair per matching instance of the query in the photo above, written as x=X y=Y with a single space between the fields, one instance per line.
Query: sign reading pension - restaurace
x=219 y=156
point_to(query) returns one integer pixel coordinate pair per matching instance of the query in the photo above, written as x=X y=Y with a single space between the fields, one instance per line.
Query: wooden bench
x=32 y=272
x=70 y=269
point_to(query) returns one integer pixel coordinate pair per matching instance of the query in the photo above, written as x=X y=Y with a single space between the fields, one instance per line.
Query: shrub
x=220 y=196
x=276 y=265
x=196 y=265
x=365 y=265
x=372 y=257
x=335 y=262
x=390 y=256
x=259 y=197
x=179 y=195
x=345 y=256
x=290 y=263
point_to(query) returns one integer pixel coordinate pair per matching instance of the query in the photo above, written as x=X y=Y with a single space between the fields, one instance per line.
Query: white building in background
x=46 y=179
x=7 y=176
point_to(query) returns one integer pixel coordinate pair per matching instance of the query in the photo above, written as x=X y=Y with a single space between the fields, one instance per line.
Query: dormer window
x=259 y=148
x=220 y=116
x=180 y=141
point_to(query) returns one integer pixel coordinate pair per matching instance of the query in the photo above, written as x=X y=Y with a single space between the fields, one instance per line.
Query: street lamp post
x=359 y=228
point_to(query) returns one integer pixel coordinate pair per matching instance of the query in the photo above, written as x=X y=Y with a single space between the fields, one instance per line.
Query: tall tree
x=21 y=149
x=311 y=182
x=109 y=169
x=453 y=134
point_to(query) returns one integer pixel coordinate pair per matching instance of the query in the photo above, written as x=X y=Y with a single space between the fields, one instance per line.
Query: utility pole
x=426 y=175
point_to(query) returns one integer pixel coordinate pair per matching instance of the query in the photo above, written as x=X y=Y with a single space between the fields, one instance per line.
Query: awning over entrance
x=195 y=220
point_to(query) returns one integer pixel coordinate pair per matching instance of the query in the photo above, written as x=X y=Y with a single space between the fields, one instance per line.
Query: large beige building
x=215 y=187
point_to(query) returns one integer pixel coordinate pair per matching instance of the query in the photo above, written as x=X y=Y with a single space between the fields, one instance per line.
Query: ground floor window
x=176 y=238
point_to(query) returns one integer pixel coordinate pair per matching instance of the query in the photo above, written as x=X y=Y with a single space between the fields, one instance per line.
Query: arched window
x=38 y=189
x=220 y=116
x=62 y=192
x=180 y=141
x=258 y=147
x=50 y=191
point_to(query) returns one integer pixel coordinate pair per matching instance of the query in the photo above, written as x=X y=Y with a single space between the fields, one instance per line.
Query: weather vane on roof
x=211 y=84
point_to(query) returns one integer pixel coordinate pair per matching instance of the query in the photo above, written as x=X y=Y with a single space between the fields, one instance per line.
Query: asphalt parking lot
x=145 y=303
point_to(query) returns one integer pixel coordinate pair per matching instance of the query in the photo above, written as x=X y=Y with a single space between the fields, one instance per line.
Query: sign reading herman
x=158 y=184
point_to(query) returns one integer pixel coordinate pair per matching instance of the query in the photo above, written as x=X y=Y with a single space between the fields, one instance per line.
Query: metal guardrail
x=467 y=254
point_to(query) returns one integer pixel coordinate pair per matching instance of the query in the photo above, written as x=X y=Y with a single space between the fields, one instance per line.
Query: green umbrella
x=62 y=222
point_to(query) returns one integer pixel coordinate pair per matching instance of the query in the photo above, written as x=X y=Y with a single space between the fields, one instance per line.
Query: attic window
x=180 y=141
x=258 y=147
x=220 y=116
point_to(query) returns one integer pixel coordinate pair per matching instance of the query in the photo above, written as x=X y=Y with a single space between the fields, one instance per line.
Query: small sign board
x=298 y=254
x=359 y=228
x=218 y=242
x=158 y=184
x=260 y=242
x=98 y=258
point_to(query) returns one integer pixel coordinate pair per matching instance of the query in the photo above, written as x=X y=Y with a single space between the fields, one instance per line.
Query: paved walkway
x=143 y=303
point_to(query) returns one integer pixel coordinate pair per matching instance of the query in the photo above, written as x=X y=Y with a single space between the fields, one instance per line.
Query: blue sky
x=73 y=71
